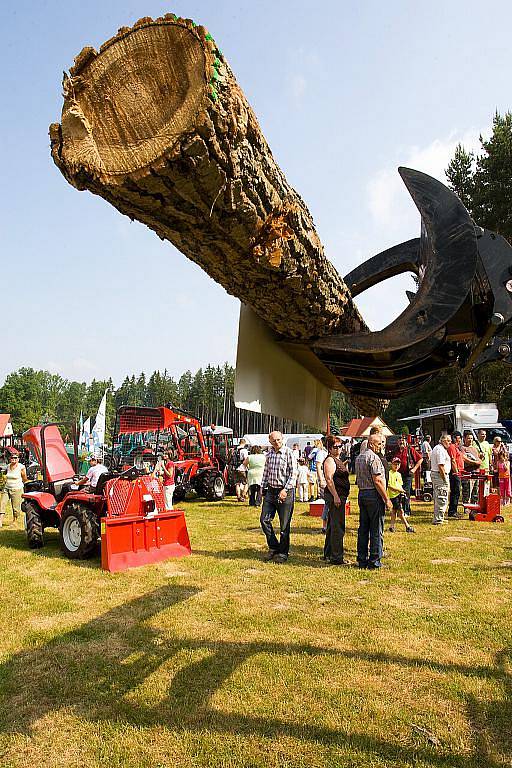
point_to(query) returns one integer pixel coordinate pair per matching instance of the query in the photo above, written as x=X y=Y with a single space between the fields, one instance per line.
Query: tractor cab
x=220 y=444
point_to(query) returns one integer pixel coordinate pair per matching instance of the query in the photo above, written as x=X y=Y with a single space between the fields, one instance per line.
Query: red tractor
x=126 y=508
x=196 y=468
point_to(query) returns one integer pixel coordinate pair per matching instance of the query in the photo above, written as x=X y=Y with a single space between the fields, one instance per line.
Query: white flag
x=86 y=434
x=98 y=432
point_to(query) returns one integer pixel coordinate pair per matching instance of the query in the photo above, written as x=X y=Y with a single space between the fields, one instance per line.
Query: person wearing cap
x=96 y=468
x=12 y=491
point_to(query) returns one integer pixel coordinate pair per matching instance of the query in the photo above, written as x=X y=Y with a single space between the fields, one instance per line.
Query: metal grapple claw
x=464 y=300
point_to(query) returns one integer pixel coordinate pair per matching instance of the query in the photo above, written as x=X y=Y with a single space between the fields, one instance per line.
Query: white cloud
x=298 y=86
x=388 y=201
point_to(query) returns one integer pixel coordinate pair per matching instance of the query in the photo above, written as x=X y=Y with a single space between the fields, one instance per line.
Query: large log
x=156 y=124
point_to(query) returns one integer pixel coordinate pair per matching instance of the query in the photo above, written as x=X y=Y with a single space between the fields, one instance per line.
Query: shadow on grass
x=299 y=556
x=96 y=669
x=17 y=539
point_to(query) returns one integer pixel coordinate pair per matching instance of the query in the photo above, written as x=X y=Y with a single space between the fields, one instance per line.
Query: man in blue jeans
x=278 y=486
x=373 y=501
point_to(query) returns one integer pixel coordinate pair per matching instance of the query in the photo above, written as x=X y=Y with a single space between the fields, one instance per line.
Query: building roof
x=361 y=427
x=4 y=421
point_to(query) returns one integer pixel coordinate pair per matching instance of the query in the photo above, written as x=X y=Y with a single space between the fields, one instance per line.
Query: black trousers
x=254 y=495
x=284 y=510
x=335 y=532
x=454 y=495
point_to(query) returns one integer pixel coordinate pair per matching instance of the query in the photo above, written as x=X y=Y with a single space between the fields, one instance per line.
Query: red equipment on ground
x=168 y=428
x=126 y=508
x=487 y=509
x=317 y=507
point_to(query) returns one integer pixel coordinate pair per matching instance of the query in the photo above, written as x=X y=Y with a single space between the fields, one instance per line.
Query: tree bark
x=156 y=124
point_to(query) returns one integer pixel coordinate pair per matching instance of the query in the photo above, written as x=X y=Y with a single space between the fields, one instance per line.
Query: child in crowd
x=503 y=466
x=396 y=494
x=313 y=494
x=302 y=480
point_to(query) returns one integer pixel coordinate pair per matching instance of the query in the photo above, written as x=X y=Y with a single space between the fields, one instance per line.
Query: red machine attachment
x=137 y=529
x=487 y=509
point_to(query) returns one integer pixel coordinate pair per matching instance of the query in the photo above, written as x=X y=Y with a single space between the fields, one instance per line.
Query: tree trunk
x=156 y=124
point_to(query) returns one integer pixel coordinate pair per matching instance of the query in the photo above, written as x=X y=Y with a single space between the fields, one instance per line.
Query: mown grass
x=220 y=659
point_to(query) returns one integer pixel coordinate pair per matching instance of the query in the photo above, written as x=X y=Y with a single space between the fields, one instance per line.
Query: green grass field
x=220 y=659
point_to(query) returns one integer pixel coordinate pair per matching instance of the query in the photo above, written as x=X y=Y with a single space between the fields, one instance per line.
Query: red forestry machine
x=126 y=509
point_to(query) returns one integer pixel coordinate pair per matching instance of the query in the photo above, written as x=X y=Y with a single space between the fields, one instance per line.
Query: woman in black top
x=336 y=493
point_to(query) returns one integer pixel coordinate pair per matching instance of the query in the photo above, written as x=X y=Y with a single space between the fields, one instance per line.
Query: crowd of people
x=454 y=458
x=274 y=479
x=284 y=474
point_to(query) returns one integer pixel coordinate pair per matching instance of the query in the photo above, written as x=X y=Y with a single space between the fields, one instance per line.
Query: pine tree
x=492 y=196
x=460 y=176
x=484 y=183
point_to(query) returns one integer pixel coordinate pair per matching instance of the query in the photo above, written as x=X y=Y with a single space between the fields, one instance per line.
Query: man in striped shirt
x=278 y=486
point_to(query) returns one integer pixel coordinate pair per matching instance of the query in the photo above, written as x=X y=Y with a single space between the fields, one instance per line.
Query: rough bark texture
x=156 y=124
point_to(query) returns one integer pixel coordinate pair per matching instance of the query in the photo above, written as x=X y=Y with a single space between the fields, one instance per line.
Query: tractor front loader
x=170 y=428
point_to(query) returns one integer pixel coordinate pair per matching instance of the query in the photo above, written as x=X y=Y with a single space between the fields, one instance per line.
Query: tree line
x=35 y=397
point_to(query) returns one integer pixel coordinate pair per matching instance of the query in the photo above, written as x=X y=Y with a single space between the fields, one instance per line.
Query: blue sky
x=345 y=92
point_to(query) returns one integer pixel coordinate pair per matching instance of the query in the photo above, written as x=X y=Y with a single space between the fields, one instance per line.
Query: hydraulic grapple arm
x=459 y=314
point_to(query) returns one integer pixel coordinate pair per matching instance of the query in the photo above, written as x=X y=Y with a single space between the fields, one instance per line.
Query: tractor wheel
x=214 y=487
x=78 y=532
x=34 y=525
x=499 y=519
x=179 y=494
x=427 y=497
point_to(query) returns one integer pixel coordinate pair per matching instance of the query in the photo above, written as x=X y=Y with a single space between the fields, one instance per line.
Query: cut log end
x=131 y=103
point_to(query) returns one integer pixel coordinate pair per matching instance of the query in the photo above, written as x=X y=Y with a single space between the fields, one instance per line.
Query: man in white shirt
x=440 y=463
x=96 y=468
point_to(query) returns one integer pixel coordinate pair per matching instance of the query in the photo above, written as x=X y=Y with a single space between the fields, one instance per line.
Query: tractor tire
x=427 y=497
x=214 y=486
x=34 y=525
x=78 y=532
x=179 y=494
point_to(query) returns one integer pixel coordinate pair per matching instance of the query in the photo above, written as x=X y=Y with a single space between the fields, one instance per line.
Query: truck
x=462 y=416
